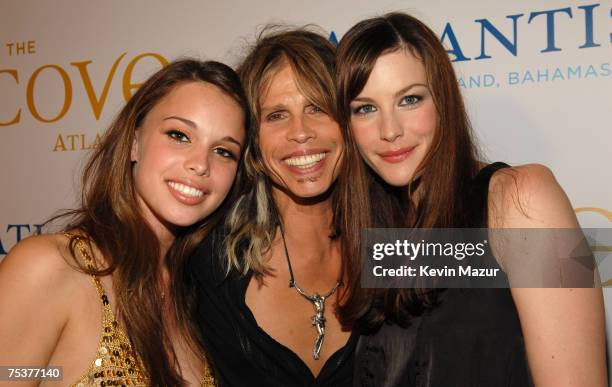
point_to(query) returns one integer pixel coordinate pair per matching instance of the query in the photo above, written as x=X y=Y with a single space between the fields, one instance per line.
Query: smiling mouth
x=398 y=155
x=186 y=190
x=306 y=161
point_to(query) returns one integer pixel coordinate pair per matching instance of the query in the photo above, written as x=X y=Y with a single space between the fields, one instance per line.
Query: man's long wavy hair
x=254 y=219
x=110 y=219
x=444 y=175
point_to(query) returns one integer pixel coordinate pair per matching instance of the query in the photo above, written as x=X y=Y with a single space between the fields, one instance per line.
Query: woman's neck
x=164 y=231
x=165 y=241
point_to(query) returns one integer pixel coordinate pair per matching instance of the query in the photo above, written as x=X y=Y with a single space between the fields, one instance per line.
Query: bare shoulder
x=564 y=329
x=528 y=196
x=38 y=270
x=38 y=259
x=37 y=292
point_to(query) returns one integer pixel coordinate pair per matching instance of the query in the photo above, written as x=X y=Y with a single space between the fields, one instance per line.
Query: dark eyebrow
x=405 y=89
x=362 y=99
x=183 y=120
x=194 y=126
x=232 y=139
x=397 y=94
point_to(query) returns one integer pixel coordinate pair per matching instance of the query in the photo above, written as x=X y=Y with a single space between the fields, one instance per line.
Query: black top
x=243 y=354
x=472 y=337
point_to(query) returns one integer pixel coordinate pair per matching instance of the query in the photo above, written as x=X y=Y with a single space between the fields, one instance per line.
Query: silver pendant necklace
x=317 y=300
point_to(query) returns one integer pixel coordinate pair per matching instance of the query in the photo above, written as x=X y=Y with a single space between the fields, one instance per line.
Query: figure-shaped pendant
x=317 y=300
x=318 y=320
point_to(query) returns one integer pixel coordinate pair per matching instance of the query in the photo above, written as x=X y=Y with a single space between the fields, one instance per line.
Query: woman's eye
x=364 y=109
x=177 y=135
x=225 y=153
x=410 y=100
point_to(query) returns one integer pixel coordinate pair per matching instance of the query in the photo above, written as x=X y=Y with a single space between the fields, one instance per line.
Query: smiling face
x=301 y=145
x=186 y=154
x=393 y=119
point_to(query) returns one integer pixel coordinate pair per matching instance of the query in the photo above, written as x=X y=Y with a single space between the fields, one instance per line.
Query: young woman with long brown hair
x=398 y=93
x=269 y=319
x=151 y=191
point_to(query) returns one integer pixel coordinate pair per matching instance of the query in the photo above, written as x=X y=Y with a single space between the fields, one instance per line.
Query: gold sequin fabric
x=115 y=363
x=209 y=379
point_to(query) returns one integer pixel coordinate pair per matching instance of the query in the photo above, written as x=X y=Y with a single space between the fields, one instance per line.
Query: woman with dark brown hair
x=398 y=93
x=268 y=284
x=152 y=190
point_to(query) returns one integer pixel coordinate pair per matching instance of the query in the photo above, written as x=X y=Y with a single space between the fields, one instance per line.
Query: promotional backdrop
x=536 y=75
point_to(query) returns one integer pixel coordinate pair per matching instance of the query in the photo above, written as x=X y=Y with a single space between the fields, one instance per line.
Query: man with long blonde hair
x=271 y=281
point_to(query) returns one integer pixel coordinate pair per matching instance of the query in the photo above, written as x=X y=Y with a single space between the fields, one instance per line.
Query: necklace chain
x=317 y=301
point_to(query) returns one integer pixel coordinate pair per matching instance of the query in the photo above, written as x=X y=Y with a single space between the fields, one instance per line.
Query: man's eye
x=364 y=109
x=410 y=100
x=177 y=135
x=275 y=116
x=314 y=109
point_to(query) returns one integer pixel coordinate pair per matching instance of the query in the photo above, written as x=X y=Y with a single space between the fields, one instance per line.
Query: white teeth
x=185 y=189
x=305 y=162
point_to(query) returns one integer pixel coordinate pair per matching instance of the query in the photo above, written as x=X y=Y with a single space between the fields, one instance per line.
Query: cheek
x=333 y=134
x=152 y=152
x=270 y=144
x=157 y=163
x=330 y=129
x=264 y=140
x=364 y=135
x=224 y=177
x=427 y=121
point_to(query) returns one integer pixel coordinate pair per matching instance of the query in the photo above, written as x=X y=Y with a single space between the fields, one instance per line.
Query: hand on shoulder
x=36 y=282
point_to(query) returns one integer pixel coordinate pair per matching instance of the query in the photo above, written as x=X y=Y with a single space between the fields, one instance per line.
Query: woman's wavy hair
x=110 y=218
x=253 y=220
x=442 y=177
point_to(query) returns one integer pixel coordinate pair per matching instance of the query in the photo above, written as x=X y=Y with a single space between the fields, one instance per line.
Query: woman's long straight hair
x=442 y=177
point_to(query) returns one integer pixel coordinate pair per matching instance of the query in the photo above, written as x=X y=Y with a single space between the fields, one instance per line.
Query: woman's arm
x=33 y=302
x=563 y=327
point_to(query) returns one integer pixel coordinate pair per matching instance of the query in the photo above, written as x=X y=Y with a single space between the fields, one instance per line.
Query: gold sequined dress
x=115 y=362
